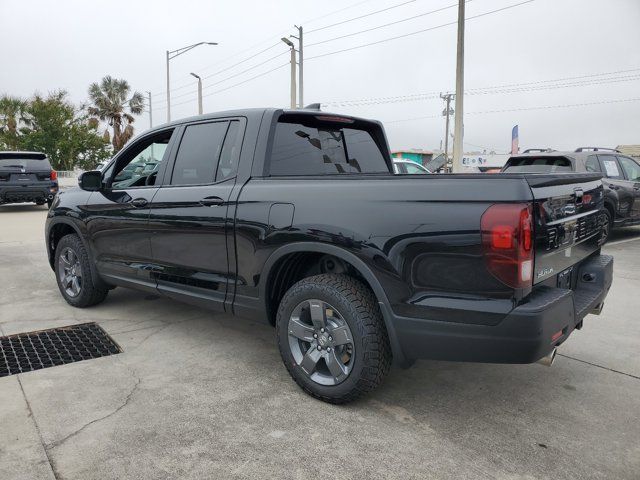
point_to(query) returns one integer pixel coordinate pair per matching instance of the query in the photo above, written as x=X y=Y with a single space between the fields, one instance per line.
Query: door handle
x=139 y=202
x=211 y=201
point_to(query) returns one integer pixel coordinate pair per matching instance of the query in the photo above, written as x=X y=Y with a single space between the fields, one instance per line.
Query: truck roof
x=255 y=113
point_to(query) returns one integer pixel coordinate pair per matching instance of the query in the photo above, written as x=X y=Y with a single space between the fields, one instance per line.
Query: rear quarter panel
x=419 y=236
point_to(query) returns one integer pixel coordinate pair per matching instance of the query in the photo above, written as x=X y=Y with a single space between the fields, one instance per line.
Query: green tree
x=109 y=101
x=13 y=118
x=62 y=131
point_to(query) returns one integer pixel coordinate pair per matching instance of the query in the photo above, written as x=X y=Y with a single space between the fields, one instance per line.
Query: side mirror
x=90 y=181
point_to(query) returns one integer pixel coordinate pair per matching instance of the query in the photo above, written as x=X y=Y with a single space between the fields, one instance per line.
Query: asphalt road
x=202 y=395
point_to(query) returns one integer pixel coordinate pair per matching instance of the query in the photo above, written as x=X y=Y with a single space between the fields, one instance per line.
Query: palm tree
x=109 y=101
x=13 y=113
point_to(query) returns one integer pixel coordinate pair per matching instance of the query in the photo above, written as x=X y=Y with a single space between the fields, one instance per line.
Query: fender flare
x=69 y=222
x=364 y=270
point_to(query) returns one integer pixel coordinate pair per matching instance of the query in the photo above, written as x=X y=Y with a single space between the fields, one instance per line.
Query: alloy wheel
x=321 y=342
x=70 y=272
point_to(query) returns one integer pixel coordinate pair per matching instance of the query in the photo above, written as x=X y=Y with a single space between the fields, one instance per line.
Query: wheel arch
x=291 y=252
x=59 y=228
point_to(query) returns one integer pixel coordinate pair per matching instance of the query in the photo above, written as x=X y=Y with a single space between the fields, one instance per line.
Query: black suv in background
x=620 y=177
x=27 y=177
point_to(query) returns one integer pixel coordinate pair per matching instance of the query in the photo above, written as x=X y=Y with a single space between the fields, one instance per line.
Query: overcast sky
x=588 y=51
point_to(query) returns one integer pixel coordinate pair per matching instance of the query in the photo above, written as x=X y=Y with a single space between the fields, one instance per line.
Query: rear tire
x=341 y=369
x=74 y=271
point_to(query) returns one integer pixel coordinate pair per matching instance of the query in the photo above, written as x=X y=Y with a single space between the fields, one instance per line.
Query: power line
x=523 y=109
x=504 y=88
x=418 y=31
x=270 y=39
x=362 y=16
x=386 y=24
x=235 y=74
x=234 y=85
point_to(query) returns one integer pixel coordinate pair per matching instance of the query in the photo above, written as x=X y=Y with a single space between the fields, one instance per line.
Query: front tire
x=74 y=274
x=332 y=338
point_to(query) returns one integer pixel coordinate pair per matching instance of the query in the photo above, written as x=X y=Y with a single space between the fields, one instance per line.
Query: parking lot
x=202 y=395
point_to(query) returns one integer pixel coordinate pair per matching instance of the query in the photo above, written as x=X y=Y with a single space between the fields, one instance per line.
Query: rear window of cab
x=326 y=145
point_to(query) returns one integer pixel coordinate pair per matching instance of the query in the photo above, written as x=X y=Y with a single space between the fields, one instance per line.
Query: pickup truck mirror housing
x=90 y=181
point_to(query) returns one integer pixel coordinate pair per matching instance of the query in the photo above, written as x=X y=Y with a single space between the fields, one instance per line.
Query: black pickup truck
x=293 y=217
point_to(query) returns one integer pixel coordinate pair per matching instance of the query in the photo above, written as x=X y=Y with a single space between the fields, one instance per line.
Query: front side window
x=323 y=149
x=631 y=168
x=197 y=157
x=139 y=164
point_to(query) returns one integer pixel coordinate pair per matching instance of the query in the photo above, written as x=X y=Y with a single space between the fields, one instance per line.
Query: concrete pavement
x=202 y=395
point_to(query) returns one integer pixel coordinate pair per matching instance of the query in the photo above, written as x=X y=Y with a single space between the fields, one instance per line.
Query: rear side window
x=325 y=149
x=228 y=165
x=611 y=167
x=592 y=164
x=538 y=165
x=198 y=154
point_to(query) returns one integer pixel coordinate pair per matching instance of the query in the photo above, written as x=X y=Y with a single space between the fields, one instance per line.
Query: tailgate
x=22 y=177
x=568 y=223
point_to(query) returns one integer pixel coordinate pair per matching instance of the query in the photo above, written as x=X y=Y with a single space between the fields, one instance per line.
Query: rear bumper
x=526 y=334
x=28 y=193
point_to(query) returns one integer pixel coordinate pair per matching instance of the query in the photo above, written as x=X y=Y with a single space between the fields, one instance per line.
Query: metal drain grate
x=25 y=352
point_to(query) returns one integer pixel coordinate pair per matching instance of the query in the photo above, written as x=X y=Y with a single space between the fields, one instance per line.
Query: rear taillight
x=507 y=243
x=54 y=175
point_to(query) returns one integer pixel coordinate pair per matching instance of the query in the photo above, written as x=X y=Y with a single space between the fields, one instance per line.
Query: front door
x=189 y=218
x=616 y=182
x=118 y=215
x=631 y=171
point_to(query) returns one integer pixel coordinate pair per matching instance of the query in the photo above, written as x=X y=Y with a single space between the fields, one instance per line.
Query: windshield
x=538 y=165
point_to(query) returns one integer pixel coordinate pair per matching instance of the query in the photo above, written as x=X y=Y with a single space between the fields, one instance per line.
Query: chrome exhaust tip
x=50 y=197
x=548 y=360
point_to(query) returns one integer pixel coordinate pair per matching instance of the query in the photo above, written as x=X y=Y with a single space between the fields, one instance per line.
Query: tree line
x=72 y=136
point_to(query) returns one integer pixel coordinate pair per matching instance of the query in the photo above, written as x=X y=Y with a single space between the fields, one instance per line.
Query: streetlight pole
x=293 y=71
x=300 y=68
x=170 y=56
x=199 y=93
x=458 y=131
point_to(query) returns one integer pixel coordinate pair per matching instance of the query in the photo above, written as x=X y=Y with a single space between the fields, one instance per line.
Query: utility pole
x=150 y=111
x=300 y=67
x=293 y=71
x=459 y=122
x=447 y=113
x=199 y=92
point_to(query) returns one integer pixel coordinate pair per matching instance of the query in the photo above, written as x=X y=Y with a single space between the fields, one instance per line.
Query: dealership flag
x=514 y=140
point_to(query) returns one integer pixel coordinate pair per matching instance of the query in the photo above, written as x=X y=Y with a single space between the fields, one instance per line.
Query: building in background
x=415 y=155
x=631 y=150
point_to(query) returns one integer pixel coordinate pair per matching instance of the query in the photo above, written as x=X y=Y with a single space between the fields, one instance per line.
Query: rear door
x=619 y=185
x=189 y=218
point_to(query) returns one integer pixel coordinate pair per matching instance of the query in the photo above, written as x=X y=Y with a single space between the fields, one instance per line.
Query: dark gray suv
x=27 y=177
x=620 y=177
